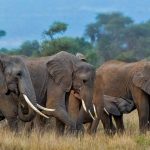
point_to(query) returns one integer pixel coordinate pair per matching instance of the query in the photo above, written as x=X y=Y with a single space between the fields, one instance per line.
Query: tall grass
x=130 y=140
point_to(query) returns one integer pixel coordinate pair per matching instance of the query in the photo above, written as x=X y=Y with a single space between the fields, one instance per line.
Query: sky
x=27 y=19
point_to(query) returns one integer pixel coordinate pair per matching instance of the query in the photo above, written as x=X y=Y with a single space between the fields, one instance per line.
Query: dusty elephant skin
x=14 y=82
x=130 y=81
x=77 y=112
x=53 y=77
x=118 y=106
x=113 y=106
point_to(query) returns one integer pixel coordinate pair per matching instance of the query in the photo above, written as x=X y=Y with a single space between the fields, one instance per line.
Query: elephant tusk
x=95 y=111
x=43 y=108
x=83 y=103
x=33 y=107
x=91 y=115
x=106 y=111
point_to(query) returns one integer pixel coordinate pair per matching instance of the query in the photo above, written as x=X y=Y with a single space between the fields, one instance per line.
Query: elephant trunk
x=86 y=98
x=27 y=91
x=25 y=117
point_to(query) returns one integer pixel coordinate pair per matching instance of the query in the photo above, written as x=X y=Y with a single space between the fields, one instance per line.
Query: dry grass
x=48 y=141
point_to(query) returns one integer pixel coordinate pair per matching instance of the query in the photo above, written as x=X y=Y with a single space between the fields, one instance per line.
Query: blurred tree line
x=110 y=36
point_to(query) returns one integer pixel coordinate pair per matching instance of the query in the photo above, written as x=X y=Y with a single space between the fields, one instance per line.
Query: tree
x=56 y=28
x=107 y=33
x=2 y=33
x=69 y=44
x=28 y=48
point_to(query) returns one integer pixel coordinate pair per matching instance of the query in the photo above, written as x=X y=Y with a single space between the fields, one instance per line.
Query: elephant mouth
x=13 y=88
x=77 y=95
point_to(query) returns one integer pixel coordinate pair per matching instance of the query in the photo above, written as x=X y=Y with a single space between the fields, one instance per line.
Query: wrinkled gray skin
x=118 y=106
x=14 y=81
x=115 y=108
x=53 y=77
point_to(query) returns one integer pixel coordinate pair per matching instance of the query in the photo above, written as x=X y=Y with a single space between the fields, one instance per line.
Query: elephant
x=130 y=81
x=15 y=82
x=112 y=106
x=115 y=107
x=53 y=78
x=118 y=106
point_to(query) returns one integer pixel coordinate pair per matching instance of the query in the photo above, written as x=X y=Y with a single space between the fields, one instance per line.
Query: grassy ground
x=48 y=141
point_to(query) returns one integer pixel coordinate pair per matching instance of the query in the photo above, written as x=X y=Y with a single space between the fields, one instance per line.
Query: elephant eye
x=84 y=81
x=19 y=74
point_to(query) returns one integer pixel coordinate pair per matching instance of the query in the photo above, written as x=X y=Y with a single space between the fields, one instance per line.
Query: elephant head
x=125 y=105
x=71 y=73
x=141 y=77
x=15 y=78
x=117 y=106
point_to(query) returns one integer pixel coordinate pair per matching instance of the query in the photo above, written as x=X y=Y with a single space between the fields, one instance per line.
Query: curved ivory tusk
x=33 y=107
x=106 y=111
x=95 y=111
x=91 y=115
x=83 y=103
x=43 y=108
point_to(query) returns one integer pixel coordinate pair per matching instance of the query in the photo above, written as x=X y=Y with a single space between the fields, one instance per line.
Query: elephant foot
x=110 y=132
x=13 y=124
x=71 y=131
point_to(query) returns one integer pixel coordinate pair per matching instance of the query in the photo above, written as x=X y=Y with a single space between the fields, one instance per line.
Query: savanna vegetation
x=130 y=140
x=110 y=36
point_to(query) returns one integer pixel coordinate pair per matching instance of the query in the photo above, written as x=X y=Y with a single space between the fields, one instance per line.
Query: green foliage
x=56 y=28
x=2 y=33
x=28 y=48
x=110 y=36
x=68 y=44
x=114 y=35
x=93 y=58
x=4 y=51
x=128 y=56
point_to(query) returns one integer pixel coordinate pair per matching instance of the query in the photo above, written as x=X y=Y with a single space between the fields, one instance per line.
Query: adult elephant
x=105 y=106
x=15 y=82
x=53 y=77
x=130 y=81
x=112 y=106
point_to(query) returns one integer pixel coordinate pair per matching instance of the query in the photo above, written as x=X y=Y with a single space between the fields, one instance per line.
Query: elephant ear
x=142 y=79
x=3 y=85
x=111 y=108
x=60 y=70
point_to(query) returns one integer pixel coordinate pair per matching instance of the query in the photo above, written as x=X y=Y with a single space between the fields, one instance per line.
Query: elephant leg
x=13 y=123
x=9 y=110
x=119 y=123
x=81 y=118
x=149 y=115
x=113 y=128
x=62 y=115
x=94 y=126
x=107 y=123
x=39 y=123
x=74 y=107
x=143 y=116
x=89 y=127
x=142 y=104
x=60 y=127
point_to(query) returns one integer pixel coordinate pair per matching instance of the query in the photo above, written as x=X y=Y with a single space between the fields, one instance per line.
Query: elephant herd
x=66 y=87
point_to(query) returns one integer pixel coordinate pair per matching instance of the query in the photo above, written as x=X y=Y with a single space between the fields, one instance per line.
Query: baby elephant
x=116 y=107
